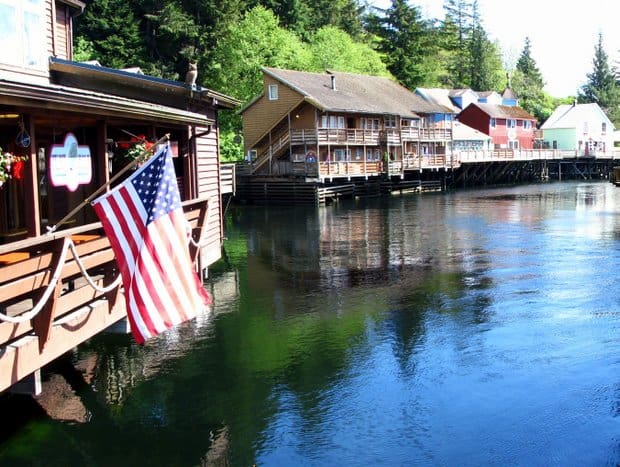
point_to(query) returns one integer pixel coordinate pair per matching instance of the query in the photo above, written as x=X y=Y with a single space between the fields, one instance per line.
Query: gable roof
x=573 y=115
x=461 y=92
x=463 y=132
x=487 y=94
x=438 y=96
x=354 y=93
x=503 y=111
x=509 y=94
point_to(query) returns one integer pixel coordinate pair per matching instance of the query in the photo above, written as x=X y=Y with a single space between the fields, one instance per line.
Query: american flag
x=145 y=224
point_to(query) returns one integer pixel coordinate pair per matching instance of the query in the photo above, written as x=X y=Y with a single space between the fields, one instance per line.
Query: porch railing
x=58 y=290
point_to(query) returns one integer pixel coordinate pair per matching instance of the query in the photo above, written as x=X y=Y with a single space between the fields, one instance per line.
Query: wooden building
x=65 y=129
x=579 y=127
x=510 y=127
x=333 y=125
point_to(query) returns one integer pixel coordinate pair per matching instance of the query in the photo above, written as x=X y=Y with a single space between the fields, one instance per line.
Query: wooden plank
x=23 y=357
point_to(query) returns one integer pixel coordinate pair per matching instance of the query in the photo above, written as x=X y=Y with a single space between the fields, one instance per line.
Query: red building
x=509 y=127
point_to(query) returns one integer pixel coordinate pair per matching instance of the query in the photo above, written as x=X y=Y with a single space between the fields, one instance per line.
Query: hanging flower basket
x=140 y=152
x=138 y=149
x=11 y=166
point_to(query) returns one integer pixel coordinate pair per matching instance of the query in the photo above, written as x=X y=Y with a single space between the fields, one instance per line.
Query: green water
x=469 y=328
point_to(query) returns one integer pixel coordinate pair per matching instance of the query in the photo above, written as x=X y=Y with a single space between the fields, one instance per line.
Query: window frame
x=272 y=92
x=333 y=122
x=342 y=155
x=26 y=44
x=389 y=121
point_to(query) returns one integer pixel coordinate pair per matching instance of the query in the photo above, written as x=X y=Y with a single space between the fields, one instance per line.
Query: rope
x=188 y=229
x=88 y=278
x=50 y=288
x=68 y=243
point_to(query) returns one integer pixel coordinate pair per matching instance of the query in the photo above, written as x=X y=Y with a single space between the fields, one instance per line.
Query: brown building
x=341 y=125
x=52 y=107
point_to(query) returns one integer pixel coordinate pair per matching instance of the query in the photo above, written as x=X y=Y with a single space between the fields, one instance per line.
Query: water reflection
x=472 y=328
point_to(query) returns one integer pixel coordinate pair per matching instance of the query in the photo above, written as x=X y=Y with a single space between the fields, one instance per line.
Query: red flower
x=17 y=169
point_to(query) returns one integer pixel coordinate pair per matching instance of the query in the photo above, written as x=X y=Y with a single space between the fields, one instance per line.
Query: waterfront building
x=66 y=129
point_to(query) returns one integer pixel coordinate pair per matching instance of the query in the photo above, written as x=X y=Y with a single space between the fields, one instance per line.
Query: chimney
x=333 y=82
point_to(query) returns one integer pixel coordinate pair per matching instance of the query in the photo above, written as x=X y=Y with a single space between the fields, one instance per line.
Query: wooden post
x=31 y=185
x=42 y=323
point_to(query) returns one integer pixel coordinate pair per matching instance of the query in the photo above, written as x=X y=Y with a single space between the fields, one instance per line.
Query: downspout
x=77 y=13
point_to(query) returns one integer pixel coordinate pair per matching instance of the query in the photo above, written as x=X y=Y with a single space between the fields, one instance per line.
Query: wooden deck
x=59 y=290
x=348 y=169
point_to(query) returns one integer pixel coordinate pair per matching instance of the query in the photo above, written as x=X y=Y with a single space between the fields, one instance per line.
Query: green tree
x=602 y=86
x=486 y=71
x=172 y=38
x=255 y=41
x=343 y=14
x=528 y=83
x=455 y=33
x=332 y=48
x=114 y=33
x=405 y=44
x=235 y=64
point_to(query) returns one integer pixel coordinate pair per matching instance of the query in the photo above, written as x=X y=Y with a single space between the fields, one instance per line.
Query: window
x=341 y=155
x=273 y=92
x=389 y=121
x=370 y=123
x=332 y=121
x=22 y=36
x=511 y=123
x=493 y=123
x=373 y=154
x=603 y=127
x=513 y=144
x=527 y=124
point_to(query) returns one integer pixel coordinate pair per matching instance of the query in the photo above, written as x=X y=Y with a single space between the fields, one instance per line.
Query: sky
x=562 y=35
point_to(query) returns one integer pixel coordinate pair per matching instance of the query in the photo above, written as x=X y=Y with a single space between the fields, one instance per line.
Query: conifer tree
x=112 y=30
x=528 y=67
x=528 y=83
x=602 y=86
x=456 y=31
x=405 y=44
x=486 y=72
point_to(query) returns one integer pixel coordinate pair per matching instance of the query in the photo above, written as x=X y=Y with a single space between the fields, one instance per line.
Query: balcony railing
x=356 y=136
x=60 y=289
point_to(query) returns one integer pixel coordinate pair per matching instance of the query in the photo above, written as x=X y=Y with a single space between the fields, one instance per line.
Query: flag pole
x=88 y=199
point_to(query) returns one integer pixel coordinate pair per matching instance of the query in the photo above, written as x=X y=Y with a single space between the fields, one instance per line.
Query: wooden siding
x=49 y=27
x=304 y=116
x=208 y=183
x=265 y=114
x=62 y=33
x=475 y=118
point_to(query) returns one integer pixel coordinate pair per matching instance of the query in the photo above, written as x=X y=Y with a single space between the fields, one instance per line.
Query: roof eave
x=78 y=5
x=79 y=100
x=140 y=82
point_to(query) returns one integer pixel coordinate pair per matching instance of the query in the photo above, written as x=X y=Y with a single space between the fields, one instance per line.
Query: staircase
x=279 y=144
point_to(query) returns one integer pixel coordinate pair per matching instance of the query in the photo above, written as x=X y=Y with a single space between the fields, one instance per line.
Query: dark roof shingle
x=355 y=93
